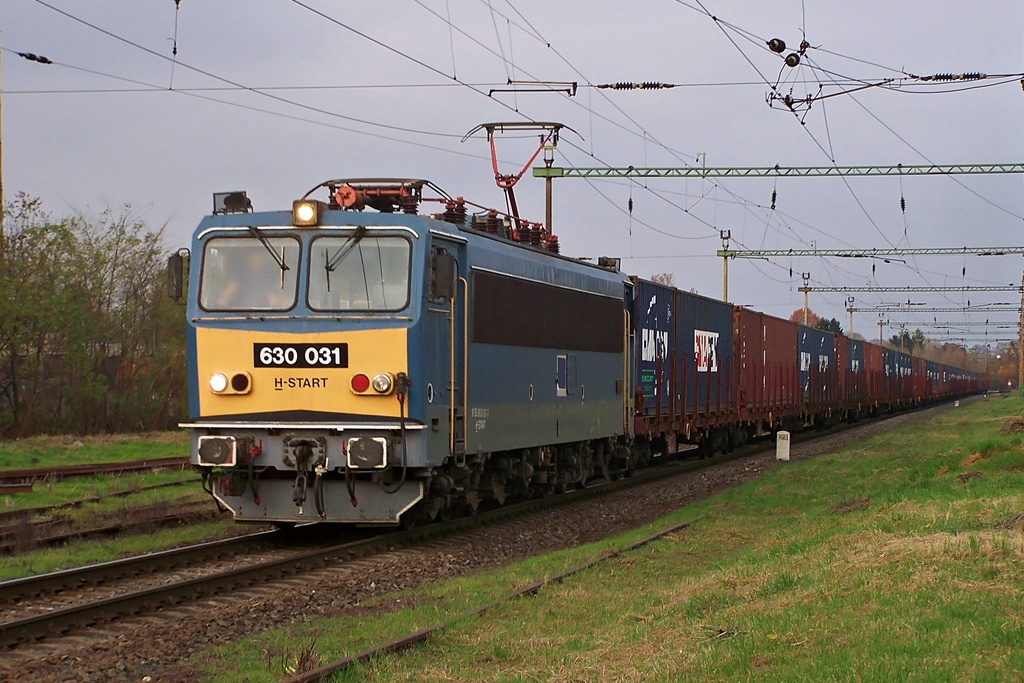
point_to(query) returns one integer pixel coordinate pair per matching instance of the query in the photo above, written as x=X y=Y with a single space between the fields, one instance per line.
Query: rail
x=57 y=473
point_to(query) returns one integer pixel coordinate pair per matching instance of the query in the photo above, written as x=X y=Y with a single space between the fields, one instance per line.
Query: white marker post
x=782 y=446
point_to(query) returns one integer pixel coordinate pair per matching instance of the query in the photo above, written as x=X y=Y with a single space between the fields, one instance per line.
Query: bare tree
x=798 y=317
x=87 y=341
x=667 y=279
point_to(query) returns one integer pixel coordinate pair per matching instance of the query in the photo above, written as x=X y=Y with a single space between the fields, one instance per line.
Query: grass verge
x=57 y=451
x=898 y=557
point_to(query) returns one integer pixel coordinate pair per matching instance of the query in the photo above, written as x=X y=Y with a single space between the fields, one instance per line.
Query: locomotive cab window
x=359 y=273
x=247 y=274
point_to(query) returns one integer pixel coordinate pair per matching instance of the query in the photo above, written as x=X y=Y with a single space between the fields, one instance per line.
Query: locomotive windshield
x=249 y=274
x=359 y=273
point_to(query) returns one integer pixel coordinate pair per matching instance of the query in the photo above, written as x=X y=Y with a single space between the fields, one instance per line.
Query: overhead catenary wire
x=241 y=86
x=269 y=95
x=569 y=143
x=642 y=129
x=174 y=44
x=487 y=85
x=760 y=44
x=942 y=78
x=914 y=266
x=829 y=155
x=751 y=205
x=451 y=37
x=513 y=8
x=763 y=78
x=199 y=94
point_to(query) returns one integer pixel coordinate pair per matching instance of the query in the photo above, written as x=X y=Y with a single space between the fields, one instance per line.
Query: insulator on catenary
x=629 y=205
x=903 y=204
x=34 y=58
x=966 y=76
x=774 y=197
x=646 y=85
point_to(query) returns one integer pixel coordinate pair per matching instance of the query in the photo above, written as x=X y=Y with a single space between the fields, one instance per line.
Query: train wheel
x=445 y=514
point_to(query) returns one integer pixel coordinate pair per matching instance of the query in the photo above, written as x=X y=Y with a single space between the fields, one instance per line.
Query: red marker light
x=360 y=383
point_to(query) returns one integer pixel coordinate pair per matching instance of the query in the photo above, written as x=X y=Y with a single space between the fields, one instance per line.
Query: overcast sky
x=396 y=101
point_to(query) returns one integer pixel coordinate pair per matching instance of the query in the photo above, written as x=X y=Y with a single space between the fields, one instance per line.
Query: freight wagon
x=684 y=368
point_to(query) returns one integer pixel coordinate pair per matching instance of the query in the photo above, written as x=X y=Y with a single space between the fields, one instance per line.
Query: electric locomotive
x=354 y=361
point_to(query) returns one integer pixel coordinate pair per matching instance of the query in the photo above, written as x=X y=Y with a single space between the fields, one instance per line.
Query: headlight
x=382 y=383
x=218 y=450
x=306 y=212
x=218 y=383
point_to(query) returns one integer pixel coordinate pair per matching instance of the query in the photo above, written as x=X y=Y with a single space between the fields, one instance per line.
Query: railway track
x=32 y=474
x=45 y=623
x=25 y=535
x=62 y=620
x=26 y=513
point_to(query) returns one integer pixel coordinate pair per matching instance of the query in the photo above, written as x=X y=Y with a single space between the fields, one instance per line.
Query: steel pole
x=1 y=151
x=547 y=204
x=1020 y=340
x=725 y=279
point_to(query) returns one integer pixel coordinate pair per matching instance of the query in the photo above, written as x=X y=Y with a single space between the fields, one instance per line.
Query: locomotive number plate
x=300 y=355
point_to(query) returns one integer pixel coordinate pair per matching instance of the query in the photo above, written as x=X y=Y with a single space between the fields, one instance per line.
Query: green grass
x=55 y=451
x=878 y=562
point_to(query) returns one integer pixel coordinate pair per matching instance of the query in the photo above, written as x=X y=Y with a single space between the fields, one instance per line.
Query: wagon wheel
x=446 y=513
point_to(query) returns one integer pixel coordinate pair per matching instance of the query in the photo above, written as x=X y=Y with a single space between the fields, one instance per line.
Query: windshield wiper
x=343 y=251
x=278 y=258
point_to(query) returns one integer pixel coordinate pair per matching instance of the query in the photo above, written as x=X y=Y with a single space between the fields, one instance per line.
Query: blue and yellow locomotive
x=354 y=361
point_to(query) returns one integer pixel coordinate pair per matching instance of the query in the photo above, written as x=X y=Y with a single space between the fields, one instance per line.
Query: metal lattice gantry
x=914 y=289
x=772 y=171
x=973 y=340
x=995 y=336
x=869 y=253
x=992 y=308
x=962 y=325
